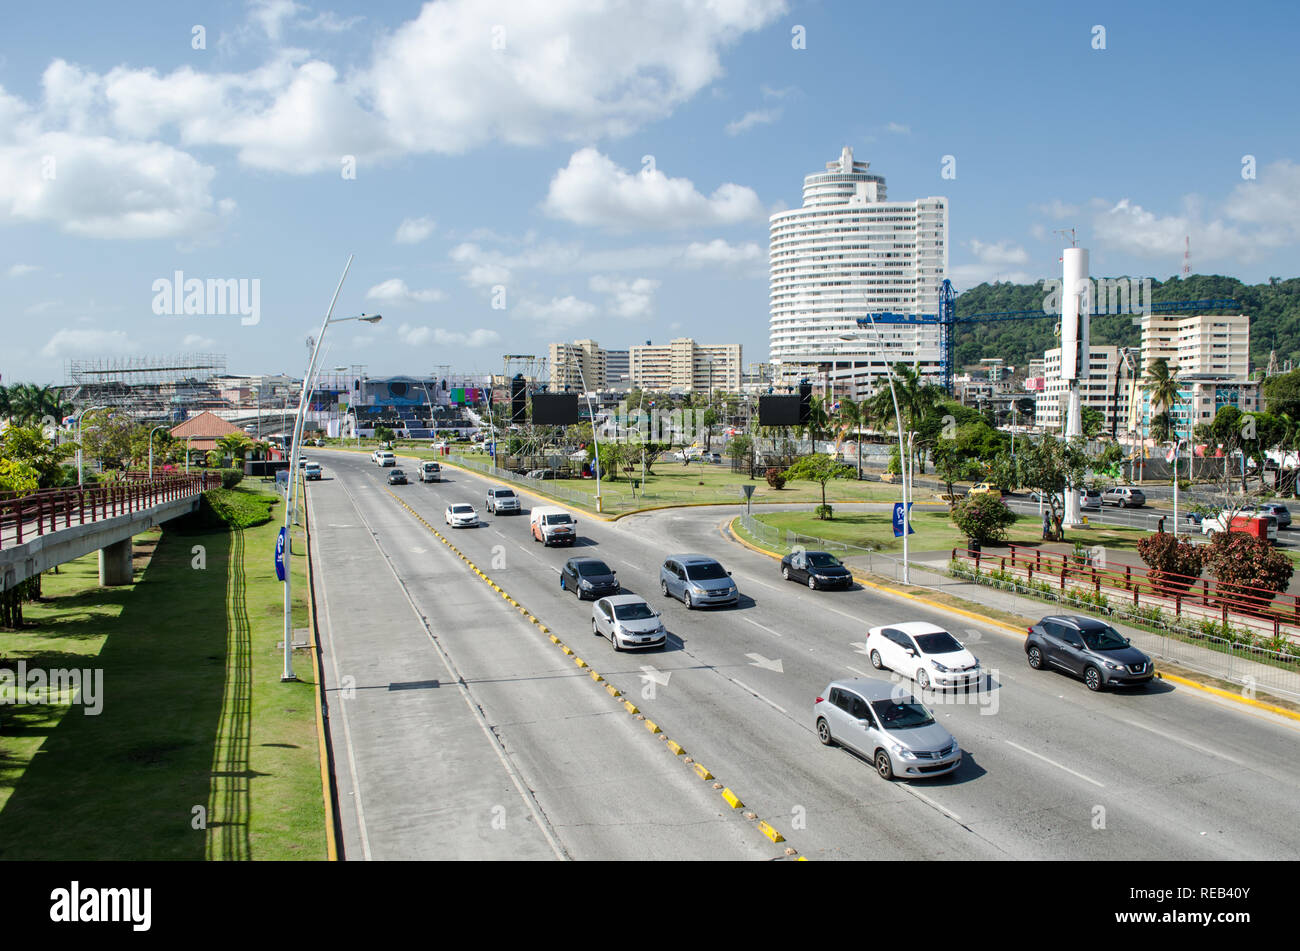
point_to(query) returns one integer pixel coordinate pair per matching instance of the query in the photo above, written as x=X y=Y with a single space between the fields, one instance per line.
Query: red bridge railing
x=48 y=510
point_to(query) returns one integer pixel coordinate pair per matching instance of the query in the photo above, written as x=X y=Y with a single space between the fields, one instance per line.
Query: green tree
x=1046 y=465
x=28 y=445
x=953 y=463
x=384 y=434
x=739 y=449
x=982 y=518
x=1091 y=421
x=820 y=468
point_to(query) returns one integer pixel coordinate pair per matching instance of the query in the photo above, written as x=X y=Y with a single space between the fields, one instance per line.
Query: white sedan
x=926 y=653
x=461 y=515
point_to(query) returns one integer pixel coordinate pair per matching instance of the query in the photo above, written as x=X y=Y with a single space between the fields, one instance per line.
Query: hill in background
x=1274 y=309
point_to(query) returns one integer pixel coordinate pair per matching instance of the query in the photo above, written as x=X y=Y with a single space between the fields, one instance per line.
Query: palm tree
x=852 y=417
x=916 y=400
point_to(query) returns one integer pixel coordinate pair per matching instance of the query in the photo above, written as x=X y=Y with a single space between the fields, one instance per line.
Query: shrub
x=1236 y=558
x=1166 y=557
x=775 y=478
x=982 y=519
x=231 y=478
x=823 y=511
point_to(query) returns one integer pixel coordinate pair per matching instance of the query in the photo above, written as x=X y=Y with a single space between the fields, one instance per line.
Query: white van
x=553 y=526
x=385 y=457
x=430 y=472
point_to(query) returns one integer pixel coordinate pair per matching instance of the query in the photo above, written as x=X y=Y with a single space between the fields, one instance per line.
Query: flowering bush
x=1166 y=557
x=775 y=478
x=1236 y=558
x=982 y=518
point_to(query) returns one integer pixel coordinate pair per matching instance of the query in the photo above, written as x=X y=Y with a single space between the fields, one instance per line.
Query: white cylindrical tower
x=1076 y=304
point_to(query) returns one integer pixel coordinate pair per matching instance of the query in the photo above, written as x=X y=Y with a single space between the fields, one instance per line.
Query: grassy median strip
x=199 y=751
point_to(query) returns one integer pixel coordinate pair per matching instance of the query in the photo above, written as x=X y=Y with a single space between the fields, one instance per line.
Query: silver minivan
x=887 y=725
x=698 y=581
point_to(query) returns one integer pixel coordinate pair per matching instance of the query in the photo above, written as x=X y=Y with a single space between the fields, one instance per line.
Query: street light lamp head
x=372 y=318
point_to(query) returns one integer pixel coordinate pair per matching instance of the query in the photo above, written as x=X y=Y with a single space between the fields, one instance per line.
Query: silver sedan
x=628 y=621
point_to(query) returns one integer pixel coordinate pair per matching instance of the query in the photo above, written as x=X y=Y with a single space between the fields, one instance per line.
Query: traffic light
x=805 y=402
x=518 y=399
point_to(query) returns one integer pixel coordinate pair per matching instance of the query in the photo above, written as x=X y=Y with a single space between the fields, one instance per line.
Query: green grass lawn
x=193 y=710
x=934 y=530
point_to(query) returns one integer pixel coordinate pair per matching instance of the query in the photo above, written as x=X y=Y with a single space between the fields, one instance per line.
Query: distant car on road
x=896 y=733
x=302 y=462
x=397 y=477
x=817 y=569
x=461 y=515
x=985 y=488
x=1278 y=511
x=697 y=581
x=588 y=578
x=1089 y=499
x=385 y=457
x=430 y=472
x=926 y=653
x=628 y=621
x=1260 y=526
x=1124 y=496
x=551 y=525
x=1087 y=648
x=313 y=471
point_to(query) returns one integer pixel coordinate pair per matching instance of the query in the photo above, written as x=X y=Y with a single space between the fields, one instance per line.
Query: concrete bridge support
x=115 y=563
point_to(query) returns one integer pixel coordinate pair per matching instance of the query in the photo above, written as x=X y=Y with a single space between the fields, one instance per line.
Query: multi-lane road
x=461 y=731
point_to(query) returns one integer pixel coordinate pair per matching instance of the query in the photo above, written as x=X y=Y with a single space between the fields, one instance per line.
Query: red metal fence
x=47 y=510
x=1196 y=597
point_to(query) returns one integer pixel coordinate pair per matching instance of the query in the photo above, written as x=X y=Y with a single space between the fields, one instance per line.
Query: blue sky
x=603 y=170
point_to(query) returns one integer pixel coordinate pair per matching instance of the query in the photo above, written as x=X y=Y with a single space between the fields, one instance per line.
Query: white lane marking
x=1175 y=739
x=1056 y=764
x=763 y=626
x=758 y=695
x=770 y=587
x=858 y=672
x=926 y=799
x=628 y=563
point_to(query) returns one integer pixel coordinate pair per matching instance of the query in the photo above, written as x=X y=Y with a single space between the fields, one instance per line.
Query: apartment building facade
x=686 y=366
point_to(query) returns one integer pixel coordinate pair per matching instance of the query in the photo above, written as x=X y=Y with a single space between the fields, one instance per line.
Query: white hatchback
x=926 y=653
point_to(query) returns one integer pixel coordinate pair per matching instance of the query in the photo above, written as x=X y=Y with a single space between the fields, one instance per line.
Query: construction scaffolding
x=168 y=387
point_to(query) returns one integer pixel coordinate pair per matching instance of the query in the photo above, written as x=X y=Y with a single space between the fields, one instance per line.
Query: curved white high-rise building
x=848 y=251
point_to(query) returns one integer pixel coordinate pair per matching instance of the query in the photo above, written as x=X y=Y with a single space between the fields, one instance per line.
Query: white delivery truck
x=553 y=526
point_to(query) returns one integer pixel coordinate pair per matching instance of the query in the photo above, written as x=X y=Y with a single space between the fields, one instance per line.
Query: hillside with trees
x=1274 y=309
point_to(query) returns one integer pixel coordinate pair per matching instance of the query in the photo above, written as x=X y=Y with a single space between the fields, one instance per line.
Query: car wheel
x=785 y=572
x=824 y=732
x=1092 y=677
x=686 y=600
x=812 y=583
x=883 y=766
x=663 y=586
x=1035 y=657
x=563 y=586
x=875 y=660
x=594 y=629
x=613 y=640
x=922 y=678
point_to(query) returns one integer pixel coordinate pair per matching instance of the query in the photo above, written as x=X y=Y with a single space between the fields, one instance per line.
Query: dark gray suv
x=1087 y=648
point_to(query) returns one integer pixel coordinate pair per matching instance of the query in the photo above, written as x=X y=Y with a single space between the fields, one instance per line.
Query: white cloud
x=71 y=343
x=751 y=119
x=475 y=338
x=632 y=300
x=717 y=251
x=414 y=336
x=557 y=313
x=898 y=128
x=592 y=190
x=395 y=291
x=18 y=270
x=1057 y=209
x=414 y=230
x=994 y=261
x=42 y=307
x=772 y=92
x=197 y=342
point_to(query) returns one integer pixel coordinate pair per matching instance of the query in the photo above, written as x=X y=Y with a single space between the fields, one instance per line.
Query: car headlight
x=940 y=667
x=586 y=583
x=902 y=751
x=1112 y=665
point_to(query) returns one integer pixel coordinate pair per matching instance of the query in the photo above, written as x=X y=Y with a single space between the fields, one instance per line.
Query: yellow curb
x=652 y=726
x=732 y=799
x=531 y=619
x=676 y=748
x=630 y=707
x=543 y=628
x=612 y=690
x=771 y=833
x=1228 y=695
x=554 y=639
x=596 y=677
x=801 y=859
x=580 y=662
x=701 y=771
x=566 y=648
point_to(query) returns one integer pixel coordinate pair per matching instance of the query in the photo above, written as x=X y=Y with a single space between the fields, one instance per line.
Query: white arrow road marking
x=417 y=551
x=649 y=672
x=860 y=647
x=758 y=660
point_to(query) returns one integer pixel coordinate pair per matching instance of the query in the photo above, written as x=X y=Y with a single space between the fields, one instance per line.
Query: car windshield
x=1103 y=638
x=895 y=715
x=707 y=571
x=633 y=612
x=940 y=642
x=395 y=472
x=462 y=509
x=592 y=568
x=505 y=494
x=820 y=559
x=558 y=520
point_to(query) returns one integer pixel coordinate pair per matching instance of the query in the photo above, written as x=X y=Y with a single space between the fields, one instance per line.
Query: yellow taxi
x=985 y=488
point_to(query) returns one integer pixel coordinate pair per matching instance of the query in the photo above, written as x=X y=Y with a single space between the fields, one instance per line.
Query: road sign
x=279 y=555
x=898 y=520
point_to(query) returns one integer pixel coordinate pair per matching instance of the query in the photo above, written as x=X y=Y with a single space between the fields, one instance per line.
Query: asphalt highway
x=1051 y=770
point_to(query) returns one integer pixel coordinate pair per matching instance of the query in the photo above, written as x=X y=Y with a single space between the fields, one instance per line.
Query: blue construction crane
x=948 y=320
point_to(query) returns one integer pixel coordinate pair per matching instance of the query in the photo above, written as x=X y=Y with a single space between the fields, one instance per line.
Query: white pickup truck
x=553 y=526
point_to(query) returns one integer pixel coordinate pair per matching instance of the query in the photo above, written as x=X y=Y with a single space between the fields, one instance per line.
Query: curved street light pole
x=151 y=432
x=80 y=416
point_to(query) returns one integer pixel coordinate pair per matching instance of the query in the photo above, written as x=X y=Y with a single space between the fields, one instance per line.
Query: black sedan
x=588 y=578
x=397 y=477
x=817 y=569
